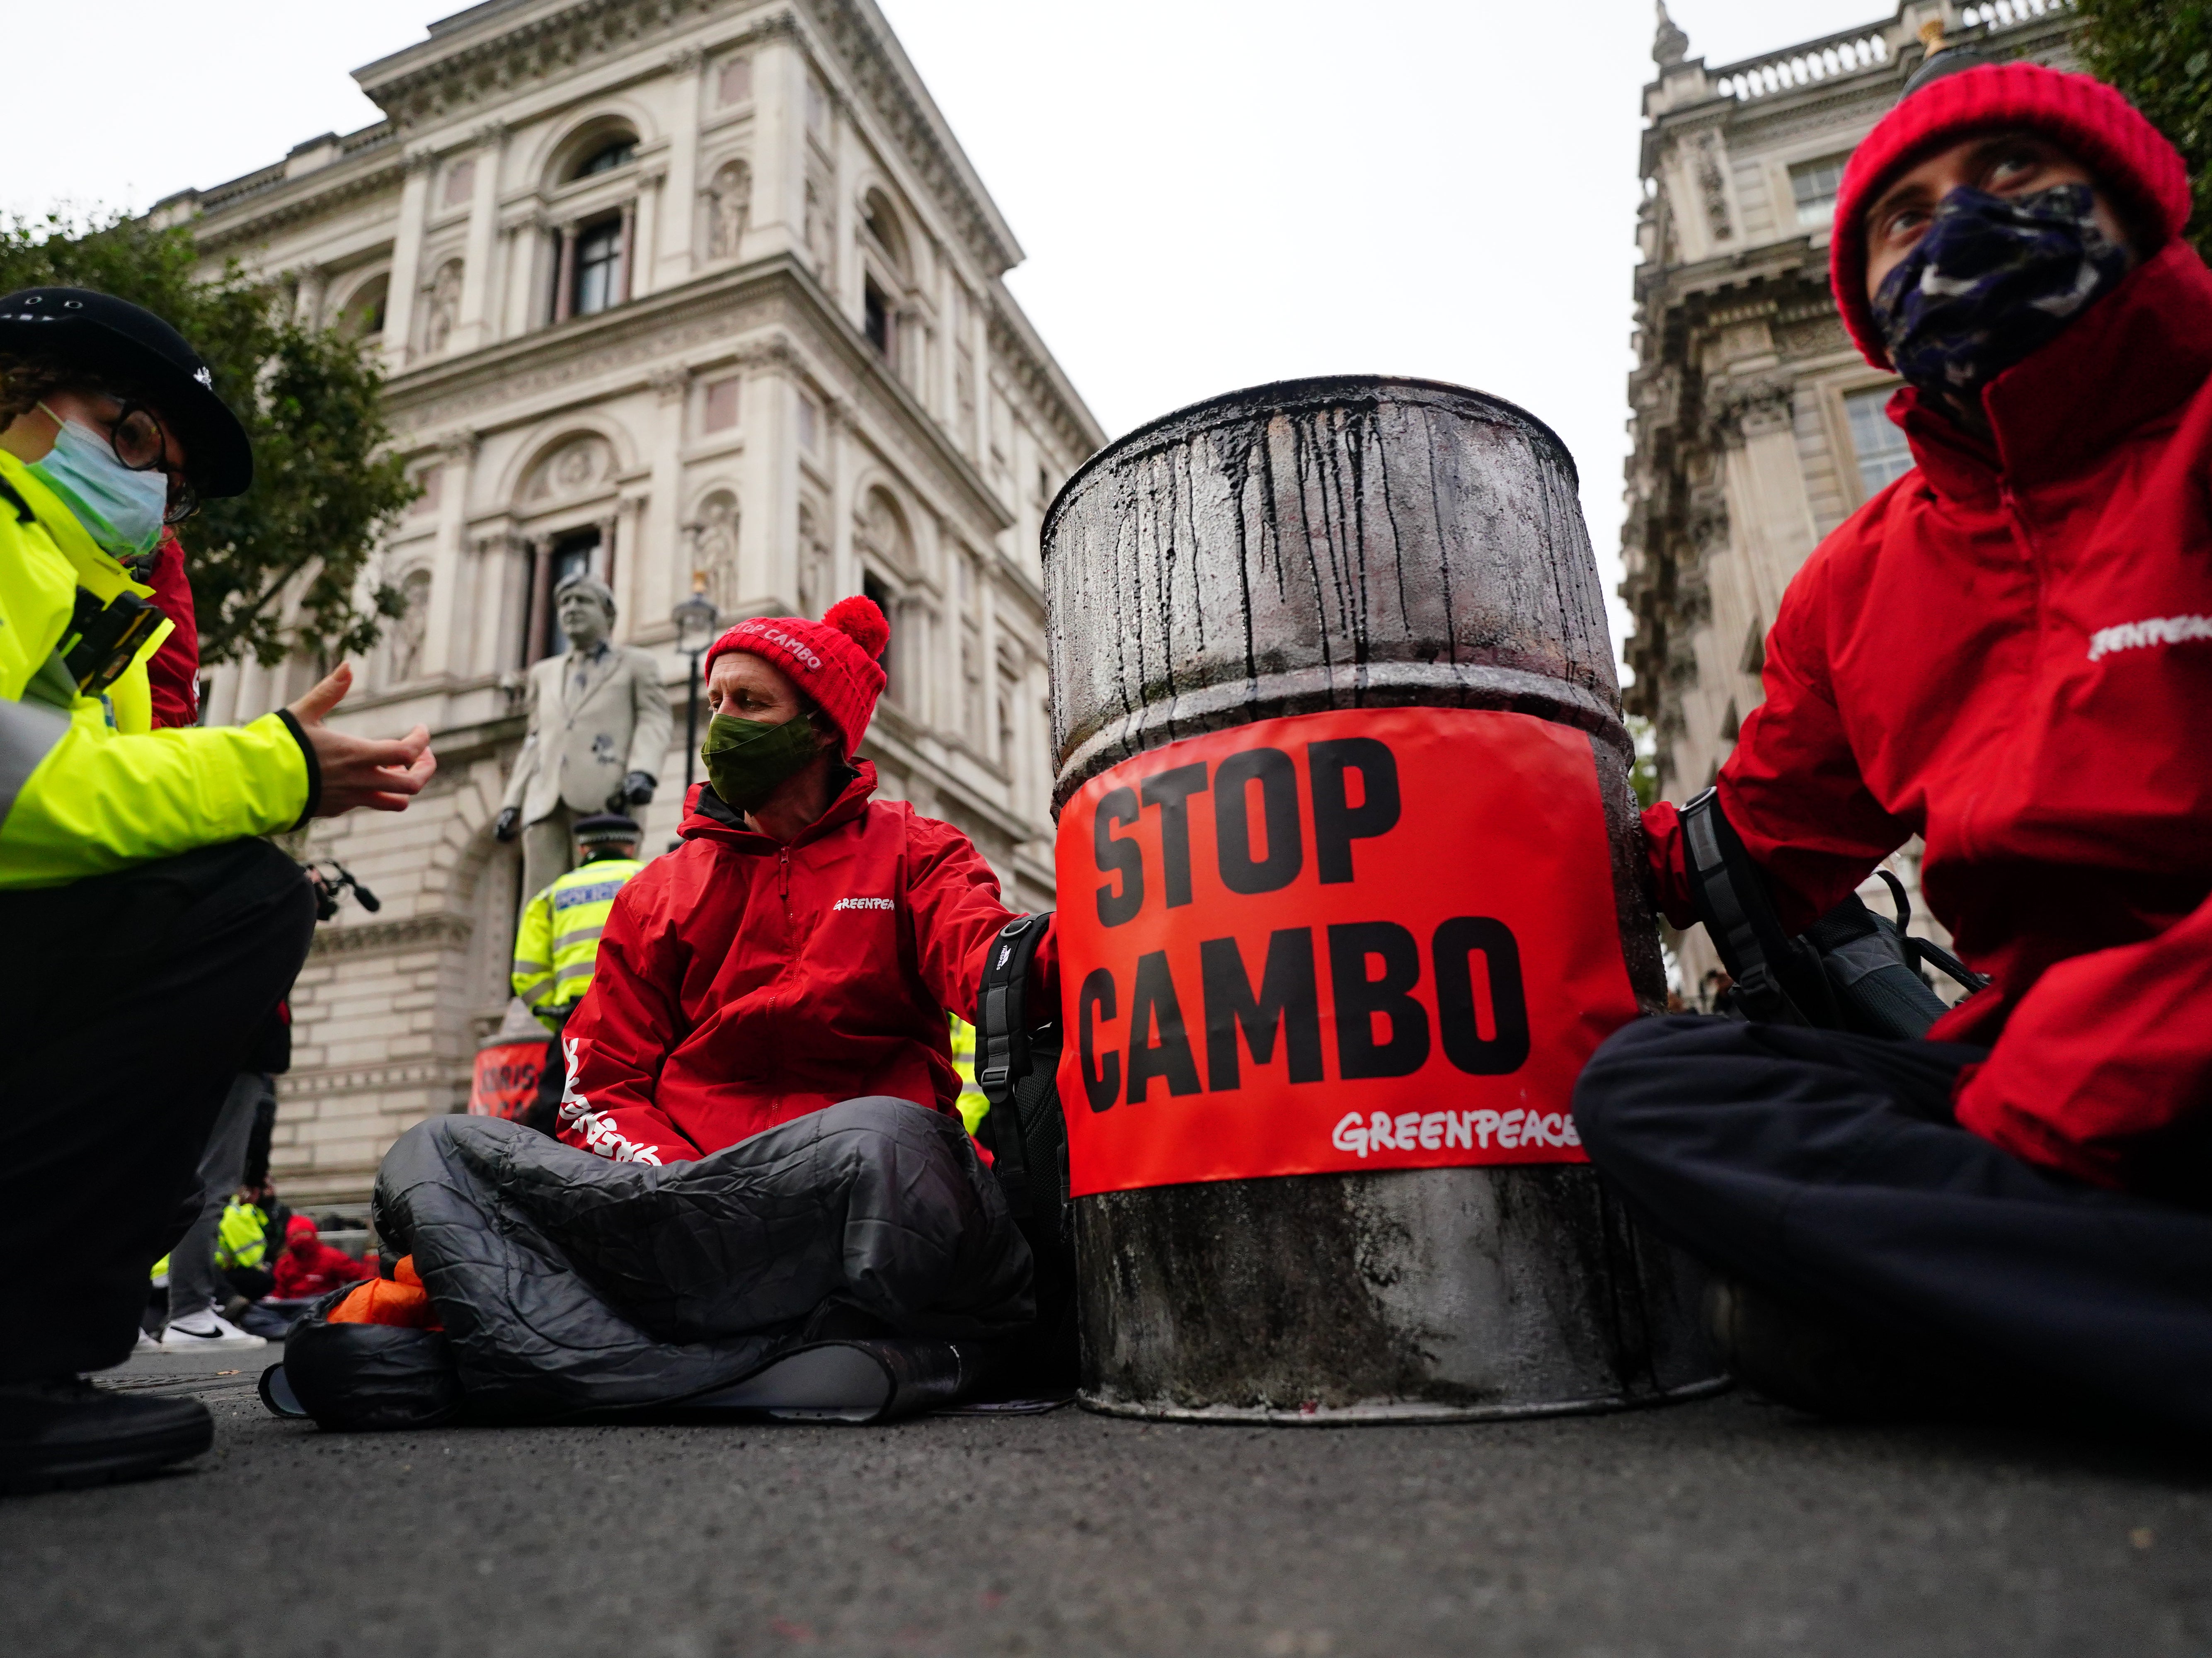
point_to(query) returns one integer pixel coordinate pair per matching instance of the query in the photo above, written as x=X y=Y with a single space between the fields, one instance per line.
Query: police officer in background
x=150 y=932
x=558 y=942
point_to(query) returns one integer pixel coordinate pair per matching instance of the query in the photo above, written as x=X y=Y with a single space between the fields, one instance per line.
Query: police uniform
x=558 y=942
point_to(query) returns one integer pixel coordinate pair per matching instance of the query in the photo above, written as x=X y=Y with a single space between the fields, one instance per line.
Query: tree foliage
x=2159 y=53
x=284 y=567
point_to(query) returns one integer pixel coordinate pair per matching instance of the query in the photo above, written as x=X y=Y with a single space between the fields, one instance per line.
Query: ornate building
x=1756 y=428
x=679 y=291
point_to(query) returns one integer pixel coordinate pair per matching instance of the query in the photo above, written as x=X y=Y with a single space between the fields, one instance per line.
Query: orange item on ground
x=400 y=1300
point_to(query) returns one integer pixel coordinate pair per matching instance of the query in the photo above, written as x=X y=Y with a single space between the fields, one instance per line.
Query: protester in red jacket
x=803 y=943
x=173 y=672
x=2009 y=651
x=309 y=1266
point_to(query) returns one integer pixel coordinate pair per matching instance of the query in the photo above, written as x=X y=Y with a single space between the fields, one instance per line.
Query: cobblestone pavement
x=1722 y=1527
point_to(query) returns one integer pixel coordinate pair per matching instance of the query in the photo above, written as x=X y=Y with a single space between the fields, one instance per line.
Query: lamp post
x=696 y=620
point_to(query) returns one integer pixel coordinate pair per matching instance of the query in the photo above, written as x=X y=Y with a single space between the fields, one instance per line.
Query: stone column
x=406 y=260
x=659 y=576
x=314 y=285
x=628 y=251
x=669 y=247
x=443 y=653
x=564 y=279
x=477 y=324
x=537 y=631
x=779 y=149
x=641 y=235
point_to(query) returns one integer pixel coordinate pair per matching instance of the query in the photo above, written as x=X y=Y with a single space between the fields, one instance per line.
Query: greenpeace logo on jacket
x=726 y=998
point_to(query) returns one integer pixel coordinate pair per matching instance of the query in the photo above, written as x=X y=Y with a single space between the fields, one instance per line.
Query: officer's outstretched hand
x=357 y=771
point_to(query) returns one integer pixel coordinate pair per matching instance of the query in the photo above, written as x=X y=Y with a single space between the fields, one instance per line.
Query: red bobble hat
x=2093 y=123
x=833 y=660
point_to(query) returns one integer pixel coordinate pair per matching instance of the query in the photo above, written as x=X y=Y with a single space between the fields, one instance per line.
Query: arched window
x=616 y=151
x=362 y=318
x=883 y=222
x=598 y=267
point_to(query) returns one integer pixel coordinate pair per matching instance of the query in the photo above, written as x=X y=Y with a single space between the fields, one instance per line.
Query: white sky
x=1212 y=193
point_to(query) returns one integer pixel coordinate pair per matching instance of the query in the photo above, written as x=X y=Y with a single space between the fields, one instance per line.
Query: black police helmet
x=113 y=336
x=603 y=827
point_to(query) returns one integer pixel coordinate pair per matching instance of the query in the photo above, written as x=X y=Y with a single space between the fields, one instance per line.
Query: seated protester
x=310 y=1267
x=130 y=856
x=2009 y=651
x=558 y=941
x=241 y=1248
x=804 y=942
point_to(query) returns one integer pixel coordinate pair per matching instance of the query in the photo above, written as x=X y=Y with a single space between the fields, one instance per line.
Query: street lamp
x=696 y=620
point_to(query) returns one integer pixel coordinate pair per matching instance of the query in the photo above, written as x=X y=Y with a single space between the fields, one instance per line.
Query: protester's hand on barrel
x=360 y=771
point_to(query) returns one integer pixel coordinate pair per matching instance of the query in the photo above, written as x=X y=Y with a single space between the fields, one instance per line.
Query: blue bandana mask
x=120 y=509
x=1993 y=279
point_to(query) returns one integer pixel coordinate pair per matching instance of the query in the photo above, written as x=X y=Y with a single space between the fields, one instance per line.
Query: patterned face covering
x=1991 y=280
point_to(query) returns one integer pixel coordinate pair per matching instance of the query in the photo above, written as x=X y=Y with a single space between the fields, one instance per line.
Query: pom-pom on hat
x=833 y=661
x=2099 y=128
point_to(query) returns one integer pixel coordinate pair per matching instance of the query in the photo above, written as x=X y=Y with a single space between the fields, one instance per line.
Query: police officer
x=150 y=931
x=558 y=942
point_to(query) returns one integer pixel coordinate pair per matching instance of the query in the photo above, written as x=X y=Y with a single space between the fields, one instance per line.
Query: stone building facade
x=1756 y=428
x=686 y=293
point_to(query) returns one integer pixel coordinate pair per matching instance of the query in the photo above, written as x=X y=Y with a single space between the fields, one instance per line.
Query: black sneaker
x=67 y=1432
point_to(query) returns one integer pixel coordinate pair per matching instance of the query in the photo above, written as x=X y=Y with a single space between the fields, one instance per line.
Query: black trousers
x=1828 y=1167
x=131 y=999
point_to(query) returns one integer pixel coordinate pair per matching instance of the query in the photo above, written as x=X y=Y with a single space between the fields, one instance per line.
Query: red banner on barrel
x=1353 y=940
x=506 y=1079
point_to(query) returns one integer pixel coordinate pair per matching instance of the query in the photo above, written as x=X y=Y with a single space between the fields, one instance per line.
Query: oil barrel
x=1347 y=859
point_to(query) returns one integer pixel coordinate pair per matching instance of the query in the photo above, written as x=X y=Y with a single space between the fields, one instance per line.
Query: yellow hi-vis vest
x=241 y=1238
x=86 y=785
x=558 y=941
x=972 y=1105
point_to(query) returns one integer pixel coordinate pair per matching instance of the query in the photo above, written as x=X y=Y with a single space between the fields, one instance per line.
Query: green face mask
x=745 y=759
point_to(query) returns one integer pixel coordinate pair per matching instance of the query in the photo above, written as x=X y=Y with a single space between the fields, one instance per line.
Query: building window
x=879 y=591
x=431 y=481
x=1882 y=451
x=1814 y=184
x=877 y=319
x=571 y=555
x=598 y=263
x=460 y=179
x=721 y=406
x=363 y=316
x=734 y=85
x=608 y=156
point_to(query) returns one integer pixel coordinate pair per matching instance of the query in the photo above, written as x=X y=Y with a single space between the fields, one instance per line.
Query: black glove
x=508 y=824
x=636 y=789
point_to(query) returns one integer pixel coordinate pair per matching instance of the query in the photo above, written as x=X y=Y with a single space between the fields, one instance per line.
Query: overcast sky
x=1212 y=193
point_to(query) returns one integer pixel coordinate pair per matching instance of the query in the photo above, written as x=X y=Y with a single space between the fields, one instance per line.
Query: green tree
x=2159 y=53
x=281 y=568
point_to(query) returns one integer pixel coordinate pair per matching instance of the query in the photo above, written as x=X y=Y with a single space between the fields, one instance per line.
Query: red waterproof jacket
x=312 y=1267
x=2008 y=651
x=173 y=671
x=742 y=983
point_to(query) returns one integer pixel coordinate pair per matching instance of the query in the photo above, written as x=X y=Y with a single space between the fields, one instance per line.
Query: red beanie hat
x=832 y=660
x=2091 y=120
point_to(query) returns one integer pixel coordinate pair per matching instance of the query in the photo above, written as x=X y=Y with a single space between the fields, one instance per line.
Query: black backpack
x=1016 y=1065
x=1851 y=970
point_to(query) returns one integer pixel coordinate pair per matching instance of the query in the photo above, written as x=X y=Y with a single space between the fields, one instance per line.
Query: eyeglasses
x=143 y=446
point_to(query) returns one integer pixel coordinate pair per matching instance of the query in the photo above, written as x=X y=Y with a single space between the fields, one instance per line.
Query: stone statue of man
x=599 y=730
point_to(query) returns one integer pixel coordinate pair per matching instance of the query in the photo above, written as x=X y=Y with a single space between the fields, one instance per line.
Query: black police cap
x=602 y=826
x=113 y=336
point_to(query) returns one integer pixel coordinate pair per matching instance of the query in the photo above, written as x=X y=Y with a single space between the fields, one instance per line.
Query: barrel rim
x=1305 y=389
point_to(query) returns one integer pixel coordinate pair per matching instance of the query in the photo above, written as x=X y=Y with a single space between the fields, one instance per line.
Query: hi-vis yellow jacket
x=86 y=785
x=558 y=943
x=972 y=1105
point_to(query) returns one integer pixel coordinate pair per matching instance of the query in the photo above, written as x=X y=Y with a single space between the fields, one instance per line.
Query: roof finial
x=1670 y=45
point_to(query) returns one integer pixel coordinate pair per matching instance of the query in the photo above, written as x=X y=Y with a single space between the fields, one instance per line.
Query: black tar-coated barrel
x=1355 y=542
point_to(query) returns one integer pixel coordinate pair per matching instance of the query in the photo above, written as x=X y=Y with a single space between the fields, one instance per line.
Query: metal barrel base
x=1436 y=1294
x=1398 y=1414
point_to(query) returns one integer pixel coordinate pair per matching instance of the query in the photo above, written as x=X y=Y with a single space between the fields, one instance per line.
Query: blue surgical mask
x=120 y=509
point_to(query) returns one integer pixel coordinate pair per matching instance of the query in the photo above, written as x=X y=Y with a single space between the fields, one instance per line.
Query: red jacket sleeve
x=1792 y=787
x=2105 y=1052
x=173 y=672
x=953 y=896
x=615 y=1042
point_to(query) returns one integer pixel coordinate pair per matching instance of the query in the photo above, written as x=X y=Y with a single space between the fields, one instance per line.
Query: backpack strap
x=1731 y=899
x=1003 y=1057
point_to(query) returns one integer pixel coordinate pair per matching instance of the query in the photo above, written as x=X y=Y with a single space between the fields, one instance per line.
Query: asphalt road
x=1722 y=1527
